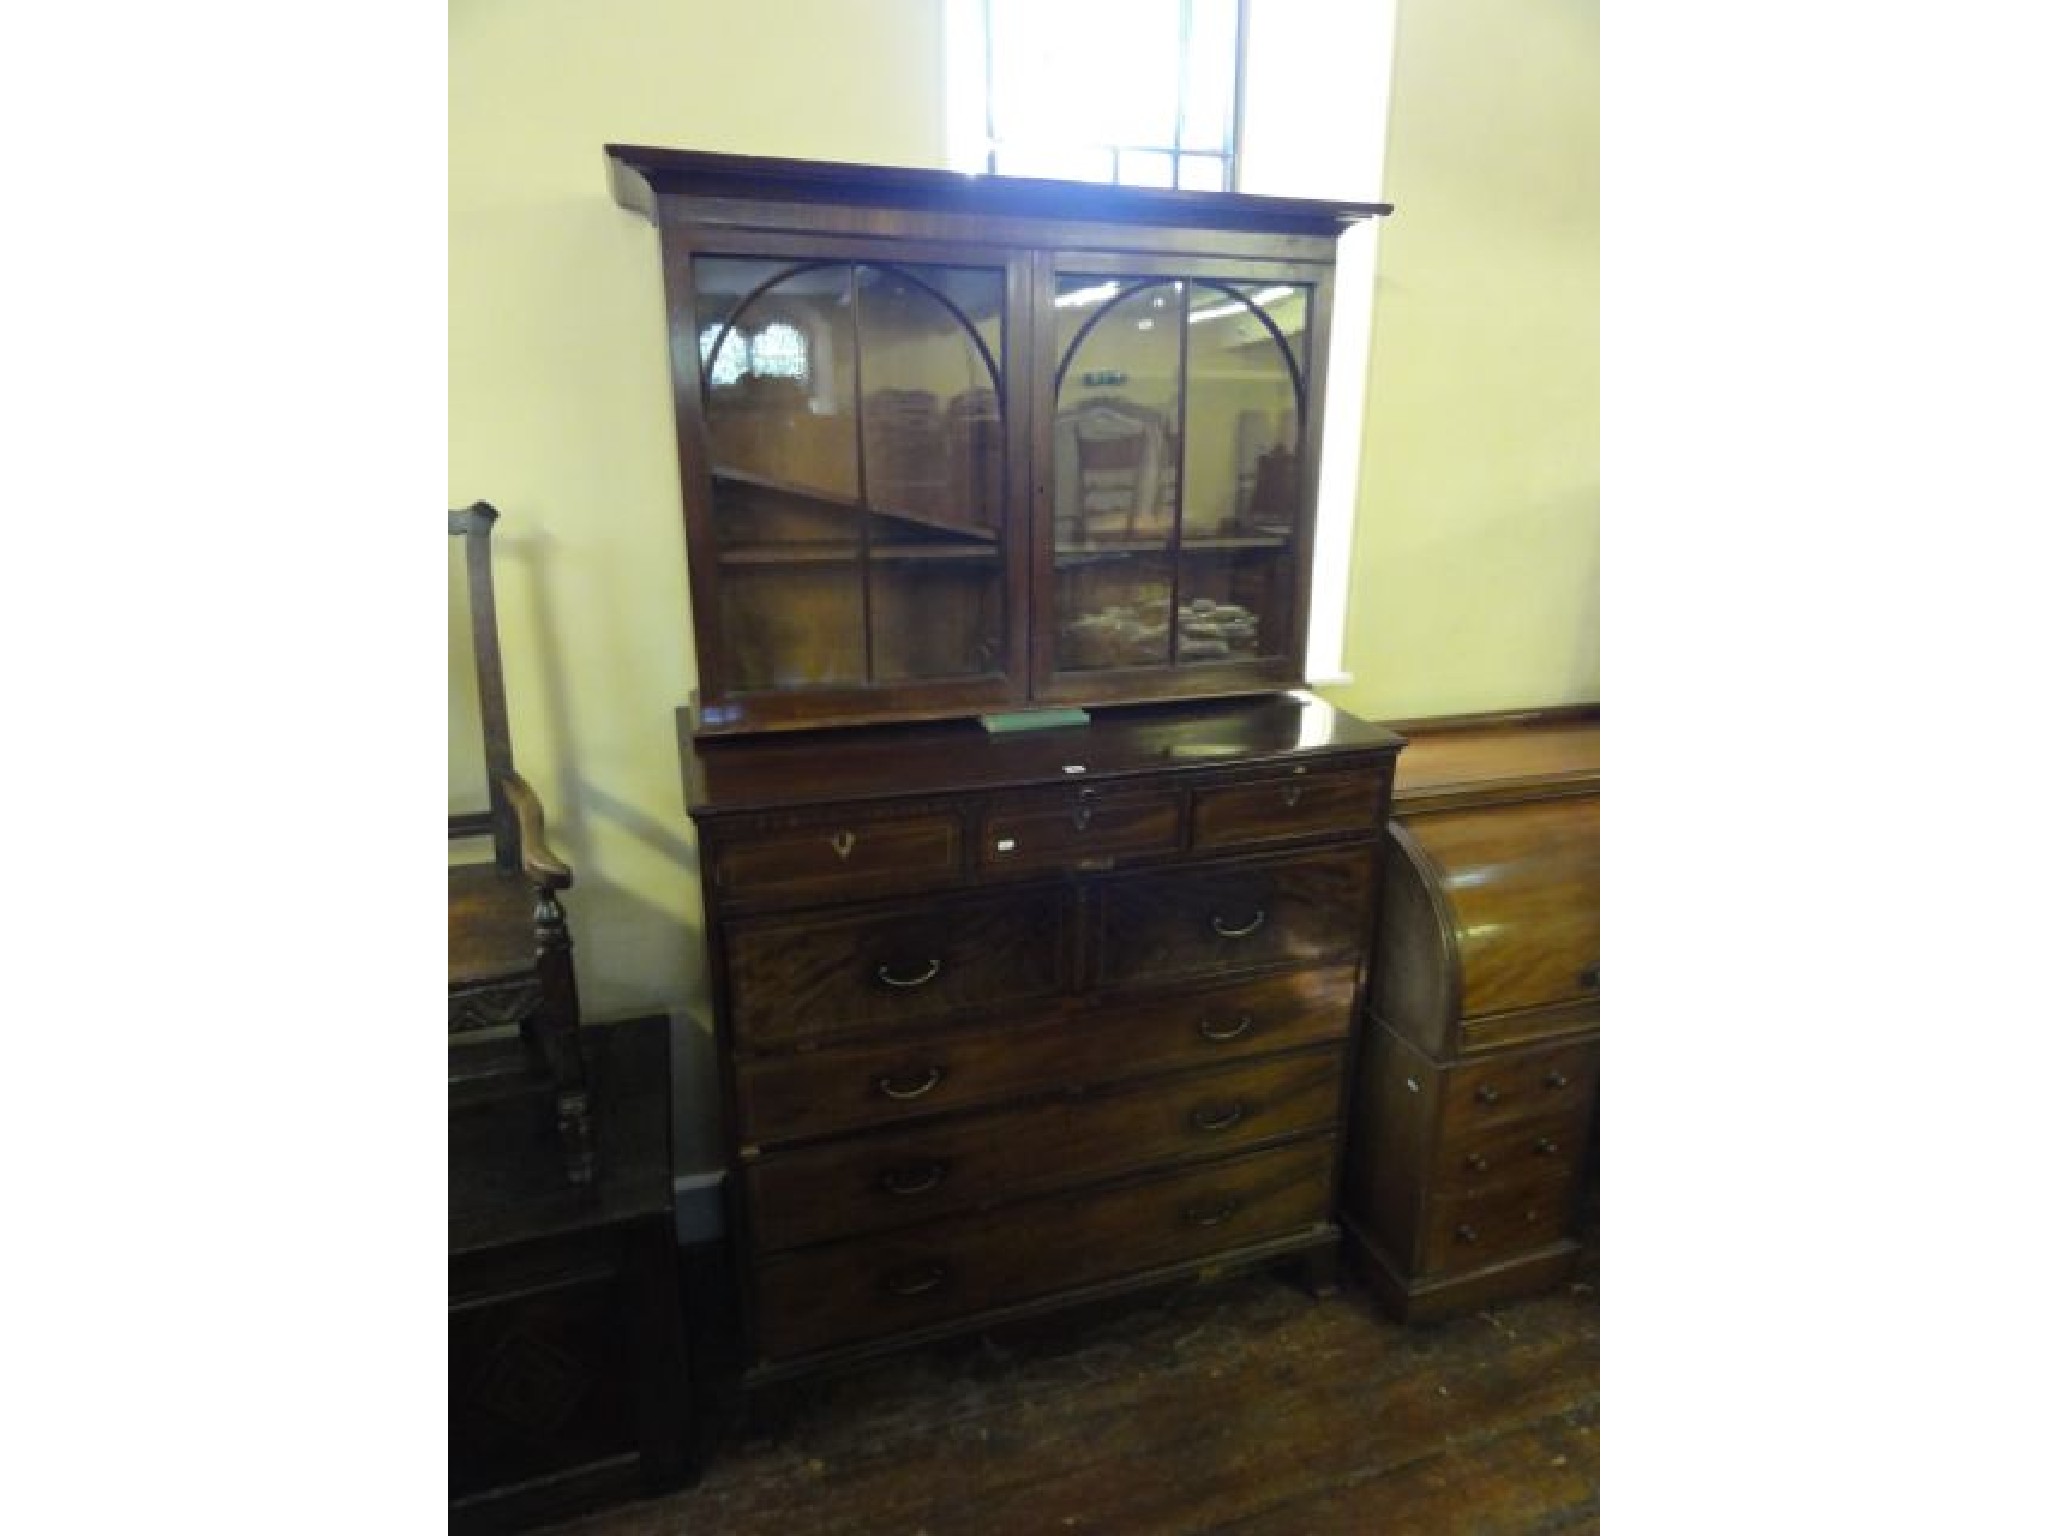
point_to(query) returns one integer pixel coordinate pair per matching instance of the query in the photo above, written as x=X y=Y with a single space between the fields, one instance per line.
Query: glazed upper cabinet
x=954 y=445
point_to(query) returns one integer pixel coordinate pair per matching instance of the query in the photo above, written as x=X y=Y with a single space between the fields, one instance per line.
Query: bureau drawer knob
x=911 y=1090
x=1556 y=1079
x=1211 y=1030
x=1209 y=1215
x=1209 y=1117
x=918 y=1179
x=1545 y=1147
x=1476 y=1162
x=1225 y=931
x=888 y=977
x=916 y=1279
x=1466 y=1234
x=1486 y=1093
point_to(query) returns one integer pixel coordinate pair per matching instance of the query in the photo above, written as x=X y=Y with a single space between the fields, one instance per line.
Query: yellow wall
x=1476 y=567
x=558 y=402
x=1475 y=580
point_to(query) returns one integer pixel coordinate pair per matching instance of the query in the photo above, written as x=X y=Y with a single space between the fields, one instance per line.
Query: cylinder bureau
x=1468 y=1165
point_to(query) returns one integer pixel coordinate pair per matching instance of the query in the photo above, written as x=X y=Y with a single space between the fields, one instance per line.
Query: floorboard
x=1245 y=1407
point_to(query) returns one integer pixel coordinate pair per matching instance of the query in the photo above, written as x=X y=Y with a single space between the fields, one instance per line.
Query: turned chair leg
x=558 y=1024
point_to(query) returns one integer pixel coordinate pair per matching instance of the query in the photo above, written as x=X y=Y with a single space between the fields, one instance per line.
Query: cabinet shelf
x=849 y=554
x=845 y=503
x=1088 y=554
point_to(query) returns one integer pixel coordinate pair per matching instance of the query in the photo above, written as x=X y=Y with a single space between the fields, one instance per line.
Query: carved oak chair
x=509 y=953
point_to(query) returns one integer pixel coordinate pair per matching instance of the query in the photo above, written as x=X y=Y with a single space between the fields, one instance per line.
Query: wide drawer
x=795 y=980
x=853 y=856
x=1216 y=919
x=1511 y=1152
x=1519 y=1085
x=1302 y=802
x=1078 y=827
x=868 y=1287
x=871 y=1183
x=1465 y=1233
x=787 y=1098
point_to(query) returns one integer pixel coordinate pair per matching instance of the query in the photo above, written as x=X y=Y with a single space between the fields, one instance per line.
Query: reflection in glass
x=855 y=421
x=1176 y=482
x=778 y=370
x=1116 y=452
x=931 y=422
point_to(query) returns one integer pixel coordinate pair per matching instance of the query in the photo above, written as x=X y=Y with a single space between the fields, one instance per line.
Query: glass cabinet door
x=1177 y=435
x=855 y=423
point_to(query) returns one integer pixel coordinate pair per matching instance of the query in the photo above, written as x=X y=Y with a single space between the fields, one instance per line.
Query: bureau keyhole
x=842 y=844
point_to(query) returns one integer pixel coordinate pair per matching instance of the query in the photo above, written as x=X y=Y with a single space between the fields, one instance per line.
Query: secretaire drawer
x=865 y=1287
x=872 y=1183
x=1078 y=827
x=1214 y=919
x=794 y=980
x=1519 y=1085
x=857 y=856
x=814 y=1093
x=1302 y=802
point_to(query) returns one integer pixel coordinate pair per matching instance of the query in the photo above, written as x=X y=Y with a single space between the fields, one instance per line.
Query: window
x=777 y=350
x=1142 y=92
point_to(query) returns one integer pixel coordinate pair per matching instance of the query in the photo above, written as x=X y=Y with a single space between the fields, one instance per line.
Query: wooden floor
x=1245 y=1406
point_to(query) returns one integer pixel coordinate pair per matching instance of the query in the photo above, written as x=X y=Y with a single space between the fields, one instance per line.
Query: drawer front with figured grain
x=1078 y=827
x=1526 y=1084
x=867 y=1287
x=1303 y=802
x=815 y=1093
x=872 y=1183
x=850 y=856
x=795 y=980
x=1466 y=1233
x=1215 y=919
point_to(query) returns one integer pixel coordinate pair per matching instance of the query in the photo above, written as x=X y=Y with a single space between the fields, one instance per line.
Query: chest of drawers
x=1469 y=1157
x=1010 y=1022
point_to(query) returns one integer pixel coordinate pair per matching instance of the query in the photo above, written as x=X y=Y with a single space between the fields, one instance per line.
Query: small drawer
x=1519 y=1085
x=813 y=1093
x=844 y=1292
x=1078 y=827
x=1512 y=1152
x=1464 y=1234
x=1215 y=919
x=796 y=980
x=1304 y=802
x=851 y=857
x=874 y=1183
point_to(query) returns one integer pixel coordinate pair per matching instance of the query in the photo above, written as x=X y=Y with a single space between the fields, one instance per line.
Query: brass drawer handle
x=916 y=1279
x=914 y=1180
x=1206 y=1117
x=1222 y=1032
x=1545 y=1147
x=1225 y=932
x=1291 y=796
x=1476 y=1162
x=1556 y=1079
x=1209 y=1215
x=1486 y=1093
x=896 y=1090
x=889 y=979
x=1466 y=1234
